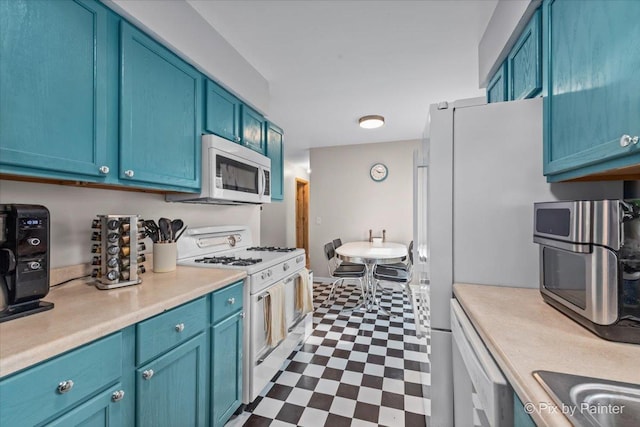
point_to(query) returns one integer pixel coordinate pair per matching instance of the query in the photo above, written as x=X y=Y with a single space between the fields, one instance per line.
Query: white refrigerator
x=483 y=165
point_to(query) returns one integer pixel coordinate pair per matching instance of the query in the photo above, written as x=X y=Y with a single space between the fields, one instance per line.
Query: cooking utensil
x=151 y=230
x=176 y=225
x=180 y=234
x=165 y=229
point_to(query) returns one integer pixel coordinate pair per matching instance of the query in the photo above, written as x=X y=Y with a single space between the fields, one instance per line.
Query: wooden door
x=302 y=216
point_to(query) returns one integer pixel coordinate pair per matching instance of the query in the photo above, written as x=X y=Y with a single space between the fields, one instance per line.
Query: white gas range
x=231 y=247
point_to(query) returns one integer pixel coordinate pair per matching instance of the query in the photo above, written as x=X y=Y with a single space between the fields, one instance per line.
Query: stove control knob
x=34 y=265
x=285 y=266
x=269 y=273
x=263 y=275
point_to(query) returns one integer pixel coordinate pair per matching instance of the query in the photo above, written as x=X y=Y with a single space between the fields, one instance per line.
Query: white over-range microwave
x=231 y=174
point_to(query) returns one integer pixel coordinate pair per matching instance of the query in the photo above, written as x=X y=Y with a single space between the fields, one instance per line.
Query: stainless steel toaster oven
x=590 y=263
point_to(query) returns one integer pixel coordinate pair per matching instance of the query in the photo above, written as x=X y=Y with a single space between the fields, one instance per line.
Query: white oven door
x=474 y=370
x=264 y=360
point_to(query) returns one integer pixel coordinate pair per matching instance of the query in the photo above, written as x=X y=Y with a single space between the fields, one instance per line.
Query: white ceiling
x=329 y=62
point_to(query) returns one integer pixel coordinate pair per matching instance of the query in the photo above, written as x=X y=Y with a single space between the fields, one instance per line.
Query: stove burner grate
x=228 y=260
x=270 y=249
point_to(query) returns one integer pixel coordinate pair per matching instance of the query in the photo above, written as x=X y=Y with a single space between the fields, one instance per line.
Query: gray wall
x=346 y=202
x=278 y=219
x=73 y=208
x=180 y=27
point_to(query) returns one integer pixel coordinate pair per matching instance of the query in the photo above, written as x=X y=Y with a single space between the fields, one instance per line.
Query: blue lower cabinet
x=226 y=366
x=172 y=389
x=521 y=418
x=226 y=352
x=104 y=410
x=195 y=380
x=54 y=387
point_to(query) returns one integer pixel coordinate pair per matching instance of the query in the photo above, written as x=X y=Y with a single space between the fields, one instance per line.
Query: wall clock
x=378 y=172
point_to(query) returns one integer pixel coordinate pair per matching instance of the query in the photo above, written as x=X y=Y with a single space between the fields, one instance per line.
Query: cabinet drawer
x=36 y=394
x=226 y=301
x=166 y=330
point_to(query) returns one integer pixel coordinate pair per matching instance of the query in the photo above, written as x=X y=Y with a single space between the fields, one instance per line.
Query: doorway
x=302 y=217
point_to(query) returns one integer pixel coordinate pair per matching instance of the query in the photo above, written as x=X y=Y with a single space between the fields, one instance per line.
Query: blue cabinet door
x=275 y=151
x=591 y=86
x=53 y=88
x=159 y=115
x=253 y=129
x=171 y=390
x=497 y=87
x=222 y=113
x=104 y=410
x=524 y=63
x=226 y=366
x=521 y=418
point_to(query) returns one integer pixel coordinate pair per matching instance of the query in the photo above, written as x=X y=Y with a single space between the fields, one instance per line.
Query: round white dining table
x=370 y=254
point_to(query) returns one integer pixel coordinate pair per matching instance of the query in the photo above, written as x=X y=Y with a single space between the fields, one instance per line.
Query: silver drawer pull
x=117 y=396
x=65 y=386
x=231 y=301
x=180 y=327
x=147 y=374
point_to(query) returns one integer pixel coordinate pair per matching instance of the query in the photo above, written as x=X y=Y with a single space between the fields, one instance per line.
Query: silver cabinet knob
x=626 y=140
x=231 y=301
x=147 y=374
x=129 y=173
x=242 y=315
x=65 y=386
x=180 y=327
x=104 y=170
x=117 y=396
x=236 y=139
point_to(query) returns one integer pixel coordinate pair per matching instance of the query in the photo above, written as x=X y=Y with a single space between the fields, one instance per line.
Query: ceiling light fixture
x=371 y=122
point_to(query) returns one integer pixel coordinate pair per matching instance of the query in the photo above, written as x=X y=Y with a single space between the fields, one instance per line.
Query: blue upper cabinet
x=275 y=151
x=53 y=87
x=497 y=87
x=159 y=114
x=525 y=62
x=591 y=87
x=253 y=129
x=520 y=76
x=222 y=113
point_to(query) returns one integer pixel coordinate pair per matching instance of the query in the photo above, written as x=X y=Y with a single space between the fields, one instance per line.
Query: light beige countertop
x=83 y=313
x=524 y=334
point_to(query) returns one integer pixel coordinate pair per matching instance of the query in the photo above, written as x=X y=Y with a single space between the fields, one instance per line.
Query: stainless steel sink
x=591 y=401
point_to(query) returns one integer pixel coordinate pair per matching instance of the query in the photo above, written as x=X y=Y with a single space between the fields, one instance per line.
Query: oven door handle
x=285 y=281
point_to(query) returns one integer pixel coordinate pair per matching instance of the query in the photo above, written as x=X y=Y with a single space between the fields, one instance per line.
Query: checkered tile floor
x=365 y=369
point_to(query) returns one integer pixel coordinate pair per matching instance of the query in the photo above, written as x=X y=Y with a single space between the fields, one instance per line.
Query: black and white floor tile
x=363 y=369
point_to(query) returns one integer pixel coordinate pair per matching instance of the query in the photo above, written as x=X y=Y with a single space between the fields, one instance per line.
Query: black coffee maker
x=24 y=260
